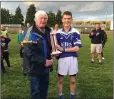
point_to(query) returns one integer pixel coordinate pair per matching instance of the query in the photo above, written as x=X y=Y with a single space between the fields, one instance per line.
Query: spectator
x=19 y=40
x=28 y=24
x=97 y=39
x=4 y=31
x=103 y=43
x=56 y=27
x=4 y=49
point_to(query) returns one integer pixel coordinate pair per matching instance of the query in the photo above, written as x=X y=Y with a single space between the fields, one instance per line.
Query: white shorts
x=67 y=65
x=96 y=48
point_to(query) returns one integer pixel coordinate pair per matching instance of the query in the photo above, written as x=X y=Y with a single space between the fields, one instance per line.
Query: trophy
x=53 y=43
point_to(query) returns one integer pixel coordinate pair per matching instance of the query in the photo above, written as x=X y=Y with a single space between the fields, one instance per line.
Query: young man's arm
x=73 y=49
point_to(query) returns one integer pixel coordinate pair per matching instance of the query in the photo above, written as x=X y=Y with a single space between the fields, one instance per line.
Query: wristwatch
x=63 y=50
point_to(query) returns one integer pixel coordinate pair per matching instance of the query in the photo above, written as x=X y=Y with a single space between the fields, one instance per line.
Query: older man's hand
x=48 y=63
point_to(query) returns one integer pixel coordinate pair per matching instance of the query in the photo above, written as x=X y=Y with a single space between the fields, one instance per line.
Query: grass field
x=94 y=81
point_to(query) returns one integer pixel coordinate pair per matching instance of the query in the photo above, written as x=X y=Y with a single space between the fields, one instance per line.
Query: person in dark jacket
x=4 y=50
x=2 y=64
x=37 y=55
x=103 y=43
x=97 y=38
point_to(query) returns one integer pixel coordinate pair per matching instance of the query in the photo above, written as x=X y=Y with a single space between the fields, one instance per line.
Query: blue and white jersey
x=68 y=40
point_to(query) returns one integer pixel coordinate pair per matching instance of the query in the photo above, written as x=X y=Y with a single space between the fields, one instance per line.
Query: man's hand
x=58 y=47
x=21 y=44
x=92 y=33
x=48 y=63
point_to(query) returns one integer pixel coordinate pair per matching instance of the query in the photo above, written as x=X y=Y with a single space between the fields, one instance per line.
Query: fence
x=12 y=28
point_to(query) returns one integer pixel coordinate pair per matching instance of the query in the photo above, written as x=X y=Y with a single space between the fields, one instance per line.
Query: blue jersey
x=68 y=40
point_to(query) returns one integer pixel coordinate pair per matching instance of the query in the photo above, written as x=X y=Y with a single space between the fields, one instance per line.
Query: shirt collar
x=68 y=31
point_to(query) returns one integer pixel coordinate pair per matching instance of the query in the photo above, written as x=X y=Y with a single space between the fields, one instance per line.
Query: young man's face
x=41 y=21
x=67 y=19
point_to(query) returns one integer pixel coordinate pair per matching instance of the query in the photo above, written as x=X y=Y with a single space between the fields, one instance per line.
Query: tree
x=18 y=17
x=5 y=16
x=51 y=19
x=11 y=19
x=59 y=17
x=30 y=14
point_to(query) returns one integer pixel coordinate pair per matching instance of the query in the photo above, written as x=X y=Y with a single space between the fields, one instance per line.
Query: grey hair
x=40 y=12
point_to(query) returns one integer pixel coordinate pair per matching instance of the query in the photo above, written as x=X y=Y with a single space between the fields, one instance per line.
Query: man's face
x=67 y=19
x=41 y=21
x=2 y=27
x=97 y=26
x=28 y=25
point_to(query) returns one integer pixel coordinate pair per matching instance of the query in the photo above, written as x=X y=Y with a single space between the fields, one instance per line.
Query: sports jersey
x=68 y=40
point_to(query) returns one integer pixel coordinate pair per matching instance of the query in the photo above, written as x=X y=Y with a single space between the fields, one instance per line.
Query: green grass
x=94 y=81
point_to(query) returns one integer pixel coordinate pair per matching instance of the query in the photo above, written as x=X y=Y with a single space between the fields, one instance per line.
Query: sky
x=82 y=11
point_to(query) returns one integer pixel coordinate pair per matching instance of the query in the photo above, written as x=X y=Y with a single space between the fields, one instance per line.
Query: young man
x=97 y=39
x=69 y=43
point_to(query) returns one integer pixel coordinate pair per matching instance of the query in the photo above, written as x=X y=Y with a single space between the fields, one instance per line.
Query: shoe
x=72 y=96
x=100 y=63
x=61 y=97
x=92 y=62
x=103 y=58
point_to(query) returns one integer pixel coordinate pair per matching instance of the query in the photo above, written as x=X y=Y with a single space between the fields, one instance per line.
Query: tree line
x=18 y=18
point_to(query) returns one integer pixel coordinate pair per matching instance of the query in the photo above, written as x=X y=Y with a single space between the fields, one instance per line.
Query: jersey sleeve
x=77 y=40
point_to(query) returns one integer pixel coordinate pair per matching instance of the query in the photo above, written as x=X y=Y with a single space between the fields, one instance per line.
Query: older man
x=37 y=58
